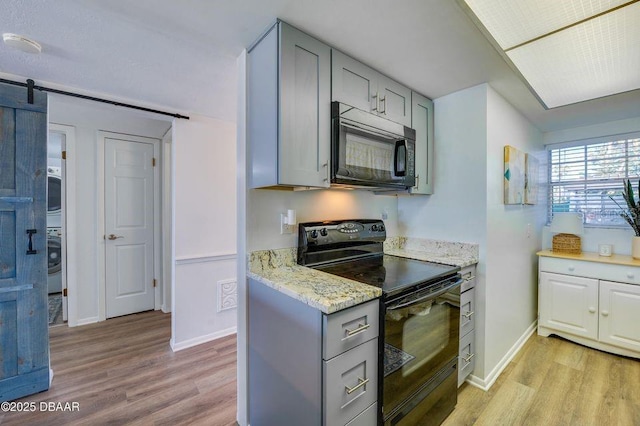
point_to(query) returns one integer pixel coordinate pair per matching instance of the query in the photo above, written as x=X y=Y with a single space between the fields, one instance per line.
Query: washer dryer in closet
x=54 y=197
x=54 y=260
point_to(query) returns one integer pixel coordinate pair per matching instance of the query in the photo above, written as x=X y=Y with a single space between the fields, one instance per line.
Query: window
x=587 y=177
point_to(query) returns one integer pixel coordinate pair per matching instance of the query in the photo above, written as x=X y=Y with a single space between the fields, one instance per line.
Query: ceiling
x=181 y=55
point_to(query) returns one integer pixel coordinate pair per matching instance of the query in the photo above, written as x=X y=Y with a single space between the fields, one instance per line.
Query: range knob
x=381 y=228
x=314 y=234
x=323 y=232
x=374 y=228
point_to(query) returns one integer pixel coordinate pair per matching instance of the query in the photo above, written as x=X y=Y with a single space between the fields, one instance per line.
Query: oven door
x=372 y=151
x=421 y=340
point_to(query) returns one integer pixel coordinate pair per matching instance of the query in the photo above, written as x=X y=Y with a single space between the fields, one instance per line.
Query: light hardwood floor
x=555 y=382
x=122 y=371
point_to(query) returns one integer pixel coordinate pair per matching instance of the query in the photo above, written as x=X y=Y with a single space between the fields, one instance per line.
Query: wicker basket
x=567 y=243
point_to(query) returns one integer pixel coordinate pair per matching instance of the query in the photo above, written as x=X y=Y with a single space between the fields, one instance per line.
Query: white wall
x=471 y=128
x=619 y=237
x=88 y=117
x=265 y=205
x=204 y=228
x=514 y=235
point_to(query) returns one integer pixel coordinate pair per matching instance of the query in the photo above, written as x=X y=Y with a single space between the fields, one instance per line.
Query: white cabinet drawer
x=469 y=276
x=467 y=312
x=580 y=268
x=350 y=383
x=346 y=329
x=466 y=357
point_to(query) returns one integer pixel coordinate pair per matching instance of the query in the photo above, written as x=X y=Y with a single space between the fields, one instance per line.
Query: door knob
x=114 y=237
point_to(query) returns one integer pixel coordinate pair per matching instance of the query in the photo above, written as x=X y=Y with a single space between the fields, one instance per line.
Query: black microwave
x=370 y=151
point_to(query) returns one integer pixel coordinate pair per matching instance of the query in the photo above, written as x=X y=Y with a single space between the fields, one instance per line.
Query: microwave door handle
x=428 y=296
x=400 y=146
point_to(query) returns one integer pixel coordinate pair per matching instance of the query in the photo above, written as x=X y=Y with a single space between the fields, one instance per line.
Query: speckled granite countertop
x=457 y=254
x=329 y=293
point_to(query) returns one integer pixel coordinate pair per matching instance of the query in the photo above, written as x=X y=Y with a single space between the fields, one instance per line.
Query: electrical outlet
x=284 y=228
x=528 y=230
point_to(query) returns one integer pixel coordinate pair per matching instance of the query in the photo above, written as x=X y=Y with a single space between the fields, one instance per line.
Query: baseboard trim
x=202 y=339
x=485 y=384
x=85 y=321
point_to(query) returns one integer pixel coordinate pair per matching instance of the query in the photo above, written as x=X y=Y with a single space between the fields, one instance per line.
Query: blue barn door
x=24 y=334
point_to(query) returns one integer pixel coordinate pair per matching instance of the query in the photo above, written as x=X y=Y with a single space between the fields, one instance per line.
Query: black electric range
x=418 y=343
x=354 y=249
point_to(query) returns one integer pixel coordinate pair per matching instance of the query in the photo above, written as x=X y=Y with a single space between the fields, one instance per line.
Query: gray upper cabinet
x=356 y=84
x=422 y=122
x=289 y=109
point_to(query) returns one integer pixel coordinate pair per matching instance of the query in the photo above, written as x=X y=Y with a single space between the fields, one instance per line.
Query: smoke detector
x=21 y=43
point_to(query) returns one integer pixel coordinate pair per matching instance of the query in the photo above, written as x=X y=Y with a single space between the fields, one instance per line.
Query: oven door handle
x=428 y=296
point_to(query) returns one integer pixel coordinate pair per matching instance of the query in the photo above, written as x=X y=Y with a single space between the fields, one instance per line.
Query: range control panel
x=332 y=232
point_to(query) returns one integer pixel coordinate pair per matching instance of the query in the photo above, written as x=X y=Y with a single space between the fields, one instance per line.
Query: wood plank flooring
x=555 y=382
x=122 y=371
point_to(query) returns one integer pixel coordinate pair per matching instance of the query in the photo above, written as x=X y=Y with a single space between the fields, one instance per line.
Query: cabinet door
x=569 y=304
x=620 y=315
x=422 y=122
x=305 y=109
x=353 y=83
x=395 y=101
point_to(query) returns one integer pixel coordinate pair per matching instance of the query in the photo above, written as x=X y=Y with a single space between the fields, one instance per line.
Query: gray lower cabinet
x=422 y=122
x=288 y=109
x=310 y=368
x=466 y=356
x=358 y=85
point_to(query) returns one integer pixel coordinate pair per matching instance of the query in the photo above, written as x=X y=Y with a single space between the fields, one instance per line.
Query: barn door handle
x=30 y=249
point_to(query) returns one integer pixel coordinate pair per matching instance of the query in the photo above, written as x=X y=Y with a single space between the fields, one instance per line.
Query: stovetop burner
x=353 y=249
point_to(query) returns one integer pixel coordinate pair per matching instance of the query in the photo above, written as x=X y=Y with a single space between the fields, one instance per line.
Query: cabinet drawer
x=346 y=329
x=466 y=357
x=350 y=383
x=469 y=276
x=467 y=311
x=368 y=417
x=580 y=268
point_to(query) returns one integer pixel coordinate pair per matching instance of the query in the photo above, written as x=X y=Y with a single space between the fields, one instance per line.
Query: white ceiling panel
x=514 y=22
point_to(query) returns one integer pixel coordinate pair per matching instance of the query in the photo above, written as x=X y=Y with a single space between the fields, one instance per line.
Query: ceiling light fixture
x=566 y=51
x=21 y=43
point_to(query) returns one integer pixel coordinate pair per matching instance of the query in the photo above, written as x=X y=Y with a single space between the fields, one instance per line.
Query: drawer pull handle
x=360 y=329
x=592 y=309
x=470 y=278
x=605 y=313
x=468 y=314
x=361 y=383
x=630 y=275
x=468 y=358
x=572 y=268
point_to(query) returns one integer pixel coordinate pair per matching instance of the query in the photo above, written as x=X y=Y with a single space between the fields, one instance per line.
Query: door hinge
x=153 y=161
x=64 y=292
x=64 y=155
x=155 y=282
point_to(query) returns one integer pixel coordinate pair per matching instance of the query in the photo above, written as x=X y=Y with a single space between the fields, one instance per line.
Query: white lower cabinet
x=620 y=315
x=590 y=310
x=569 y=304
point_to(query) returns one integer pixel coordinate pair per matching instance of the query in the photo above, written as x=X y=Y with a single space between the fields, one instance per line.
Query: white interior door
x=129 y=225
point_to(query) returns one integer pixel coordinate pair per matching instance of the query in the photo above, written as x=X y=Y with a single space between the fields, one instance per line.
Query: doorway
x=130 y=193
x=84 y=233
